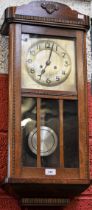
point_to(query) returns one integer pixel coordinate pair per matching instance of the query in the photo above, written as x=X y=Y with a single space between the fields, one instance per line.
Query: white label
x=80 y=16
x=50 y=172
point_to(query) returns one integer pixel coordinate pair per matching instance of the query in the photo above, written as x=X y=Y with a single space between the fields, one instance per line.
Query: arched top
x=46 y=13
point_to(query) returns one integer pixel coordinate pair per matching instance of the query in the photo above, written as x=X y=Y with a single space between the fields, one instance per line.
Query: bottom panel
x=44 y=201
x=35 y=190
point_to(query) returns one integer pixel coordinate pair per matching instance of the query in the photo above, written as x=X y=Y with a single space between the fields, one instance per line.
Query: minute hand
x=47 y=62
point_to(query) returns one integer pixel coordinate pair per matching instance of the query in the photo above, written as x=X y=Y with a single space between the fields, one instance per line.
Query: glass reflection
x=28 y=124
x=50 y=133
x=71 y=154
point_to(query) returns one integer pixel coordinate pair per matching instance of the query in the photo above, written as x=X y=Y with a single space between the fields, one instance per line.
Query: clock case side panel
x=14 y=130
x=82 y=104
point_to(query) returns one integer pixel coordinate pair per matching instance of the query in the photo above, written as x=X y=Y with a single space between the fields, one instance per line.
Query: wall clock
x=48 y=135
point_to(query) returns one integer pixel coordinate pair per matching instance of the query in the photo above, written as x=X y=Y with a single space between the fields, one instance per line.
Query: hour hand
x=42 y=72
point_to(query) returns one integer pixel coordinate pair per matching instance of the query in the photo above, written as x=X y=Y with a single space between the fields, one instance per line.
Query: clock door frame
x=16 y=172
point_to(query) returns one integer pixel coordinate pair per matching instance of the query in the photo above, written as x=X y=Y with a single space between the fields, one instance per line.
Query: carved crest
x=50 y=7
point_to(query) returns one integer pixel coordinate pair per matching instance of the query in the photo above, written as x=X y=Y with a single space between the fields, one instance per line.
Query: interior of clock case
x=58 y=123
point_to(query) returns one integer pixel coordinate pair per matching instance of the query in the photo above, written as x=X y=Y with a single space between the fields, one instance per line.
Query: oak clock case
x=48 y=134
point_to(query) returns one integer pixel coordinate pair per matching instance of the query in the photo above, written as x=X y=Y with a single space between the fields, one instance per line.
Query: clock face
x=48 y=63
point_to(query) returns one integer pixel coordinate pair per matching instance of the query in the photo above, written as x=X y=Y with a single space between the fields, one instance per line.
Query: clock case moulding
x=55 y=17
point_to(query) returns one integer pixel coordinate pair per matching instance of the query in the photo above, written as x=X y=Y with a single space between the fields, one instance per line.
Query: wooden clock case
x=58 y=20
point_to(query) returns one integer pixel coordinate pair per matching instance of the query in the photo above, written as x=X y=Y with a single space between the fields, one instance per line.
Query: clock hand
x=47 y=62
x=42 y=72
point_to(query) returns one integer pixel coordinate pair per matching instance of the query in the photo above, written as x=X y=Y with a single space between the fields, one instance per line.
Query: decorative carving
x=50 y=7
x=45 y=201
x=49 y=21
x=56 y=15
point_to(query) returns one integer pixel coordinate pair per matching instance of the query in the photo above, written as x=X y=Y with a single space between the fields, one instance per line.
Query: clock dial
x=48 y=63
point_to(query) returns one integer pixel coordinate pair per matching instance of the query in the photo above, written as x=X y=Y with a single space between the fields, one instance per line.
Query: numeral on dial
x=57 y=78
x=38 y=47
x=29 y=61
x=47 y=45
x=48 y=81
x=32 y=71
x=56 y=48
x=66 y=63
x=63 y=72
x=63 y=54
x=32 y=52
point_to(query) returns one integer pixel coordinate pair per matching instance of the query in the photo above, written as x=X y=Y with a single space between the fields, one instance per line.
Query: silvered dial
x=48 y=63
